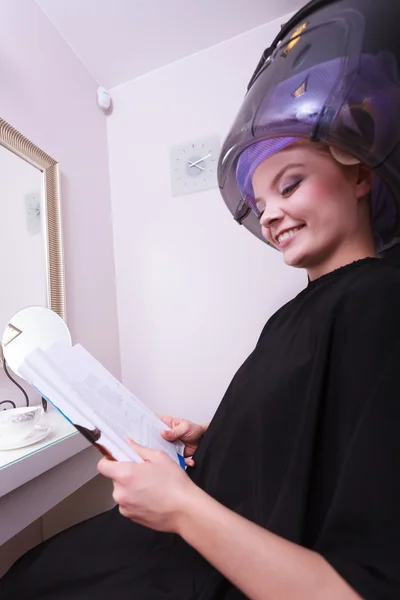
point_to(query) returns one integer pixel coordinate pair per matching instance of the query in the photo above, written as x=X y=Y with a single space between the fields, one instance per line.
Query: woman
x=293 y=491
x=322 y=382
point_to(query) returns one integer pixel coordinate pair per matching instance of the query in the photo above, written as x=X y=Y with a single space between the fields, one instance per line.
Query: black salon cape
x=306 y=443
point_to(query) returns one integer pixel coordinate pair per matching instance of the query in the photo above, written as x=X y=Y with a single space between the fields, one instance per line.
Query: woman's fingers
x=166 y=419
x=177 y=432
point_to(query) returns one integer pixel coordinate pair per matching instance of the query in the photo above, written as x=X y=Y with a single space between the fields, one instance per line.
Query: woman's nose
x=272 y=214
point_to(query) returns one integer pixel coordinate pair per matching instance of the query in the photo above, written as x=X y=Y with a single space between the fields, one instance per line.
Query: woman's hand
x=153 y=493
x=186 y=431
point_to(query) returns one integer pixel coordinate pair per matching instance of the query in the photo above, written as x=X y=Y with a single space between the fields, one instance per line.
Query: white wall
x=193 y=288
x=38 y=72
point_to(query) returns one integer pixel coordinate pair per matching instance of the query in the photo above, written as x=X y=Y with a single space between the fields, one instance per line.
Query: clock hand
x=194 y=164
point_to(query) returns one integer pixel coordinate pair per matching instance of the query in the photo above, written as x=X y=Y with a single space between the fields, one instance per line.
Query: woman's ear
x=364 y=181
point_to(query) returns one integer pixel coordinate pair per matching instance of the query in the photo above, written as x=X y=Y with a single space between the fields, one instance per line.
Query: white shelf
x=17 y=467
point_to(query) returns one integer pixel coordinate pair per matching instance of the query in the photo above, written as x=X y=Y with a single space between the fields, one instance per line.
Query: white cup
x=16 y=424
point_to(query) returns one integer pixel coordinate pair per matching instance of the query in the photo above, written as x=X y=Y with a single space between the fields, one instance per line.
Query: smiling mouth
x=287 y=235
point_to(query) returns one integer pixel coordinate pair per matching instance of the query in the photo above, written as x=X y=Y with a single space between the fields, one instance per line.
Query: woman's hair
x=346 y=161
x=341 y=156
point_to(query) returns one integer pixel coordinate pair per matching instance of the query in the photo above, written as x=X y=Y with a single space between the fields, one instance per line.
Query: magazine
x=95 y=402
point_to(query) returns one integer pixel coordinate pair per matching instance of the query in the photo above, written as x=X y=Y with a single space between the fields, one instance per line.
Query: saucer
x=40 y=432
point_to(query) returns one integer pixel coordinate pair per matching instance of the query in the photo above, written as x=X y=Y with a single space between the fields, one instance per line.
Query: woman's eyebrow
x=283 y=171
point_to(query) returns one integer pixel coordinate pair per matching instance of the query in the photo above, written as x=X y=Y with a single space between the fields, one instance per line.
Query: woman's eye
x=289 y=189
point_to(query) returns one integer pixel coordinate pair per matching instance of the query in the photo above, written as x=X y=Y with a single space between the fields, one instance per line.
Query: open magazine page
x=109 y=399
x=53 y=384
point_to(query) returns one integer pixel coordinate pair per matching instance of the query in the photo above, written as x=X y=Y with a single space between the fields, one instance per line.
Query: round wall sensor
x=103 y=98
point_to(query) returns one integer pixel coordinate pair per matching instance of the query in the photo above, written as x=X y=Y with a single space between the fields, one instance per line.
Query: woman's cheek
x=267 y=235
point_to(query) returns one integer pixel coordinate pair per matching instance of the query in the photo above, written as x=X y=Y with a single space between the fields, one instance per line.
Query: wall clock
x=194 y=165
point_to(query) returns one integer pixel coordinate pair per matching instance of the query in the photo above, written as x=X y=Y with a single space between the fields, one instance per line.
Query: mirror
x=25 y=429
x=22 y=233
x=32 y=267
x=31 y=328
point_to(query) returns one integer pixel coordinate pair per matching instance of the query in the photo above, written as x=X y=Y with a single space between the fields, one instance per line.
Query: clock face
x=194 y=166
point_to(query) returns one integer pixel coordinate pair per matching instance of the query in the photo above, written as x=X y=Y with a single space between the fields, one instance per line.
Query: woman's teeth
x=287 y=234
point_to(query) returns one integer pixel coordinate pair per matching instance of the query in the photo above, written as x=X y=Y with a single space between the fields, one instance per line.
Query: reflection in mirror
x=22 y=235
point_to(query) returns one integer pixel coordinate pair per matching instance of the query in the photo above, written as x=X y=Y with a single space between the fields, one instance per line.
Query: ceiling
x=119 y=40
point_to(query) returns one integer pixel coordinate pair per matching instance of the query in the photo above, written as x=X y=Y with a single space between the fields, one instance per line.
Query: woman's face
x=311 y=205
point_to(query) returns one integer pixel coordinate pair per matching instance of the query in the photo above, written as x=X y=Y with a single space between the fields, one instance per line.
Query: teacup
x=16 y=424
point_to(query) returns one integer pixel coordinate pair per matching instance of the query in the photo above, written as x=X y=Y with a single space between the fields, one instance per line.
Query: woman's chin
x=294 y=258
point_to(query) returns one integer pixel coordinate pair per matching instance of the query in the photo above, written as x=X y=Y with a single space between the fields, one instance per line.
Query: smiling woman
x=293 y=490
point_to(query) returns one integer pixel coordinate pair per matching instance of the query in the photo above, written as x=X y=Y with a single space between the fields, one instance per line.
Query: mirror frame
x=17 y=143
